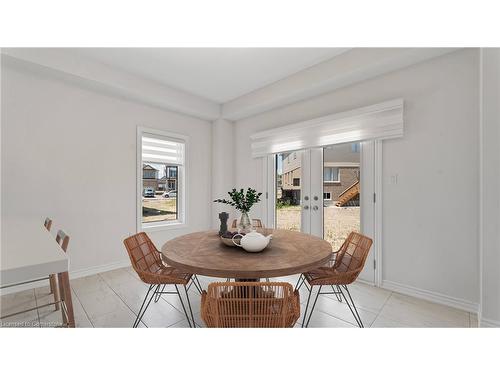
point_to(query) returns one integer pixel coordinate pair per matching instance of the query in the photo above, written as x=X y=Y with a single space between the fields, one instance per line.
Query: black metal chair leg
x=354 y=311
x=183 y=307
x=297 y=287
x=189 y=305
x=142 y=305
x=337 y=293
x=354 y=306
x=314 y=305
x=158 y=295
x=197 y=284
x=307 y=305
x=143 y=309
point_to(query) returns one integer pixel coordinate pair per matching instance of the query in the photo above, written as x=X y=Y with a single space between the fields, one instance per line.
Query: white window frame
x=329 y=194
x=182 y=204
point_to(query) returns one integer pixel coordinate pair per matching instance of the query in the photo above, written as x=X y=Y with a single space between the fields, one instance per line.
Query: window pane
x=330 y=174
x=288 y=191
x=159 y=196
x=327 y=174
x=162 y=162
x=335 y=174
x=341 y=208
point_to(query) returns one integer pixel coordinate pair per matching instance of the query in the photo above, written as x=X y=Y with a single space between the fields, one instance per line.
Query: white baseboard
x=366 y=282
x=99 y=269
x=442 y=299
x=72 y=275
x=489 y=323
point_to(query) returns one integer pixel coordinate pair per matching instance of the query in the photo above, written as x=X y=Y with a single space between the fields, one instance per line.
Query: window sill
x=155 y=227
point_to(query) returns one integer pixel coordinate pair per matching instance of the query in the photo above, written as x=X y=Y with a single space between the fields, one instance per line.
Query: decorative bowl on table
x=252 y=242
x=227 y=239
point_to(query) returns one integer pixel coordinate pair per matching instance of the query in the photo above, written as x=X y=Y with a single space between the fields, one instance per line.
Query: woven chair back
x=353 y=253
x=256 y=223
x=143 y=253
x=250 y=304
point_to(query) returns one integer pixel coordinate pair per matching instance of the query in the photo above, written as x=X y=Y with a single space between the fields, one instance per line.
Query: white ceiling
x=217 y=74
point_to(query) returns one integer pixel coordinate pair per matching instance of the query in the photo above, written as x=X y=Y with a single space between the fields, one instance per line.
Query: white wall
x=222 y=167
x=430 y=217
x=490 y=277
x=70 y=65
x=70 y=153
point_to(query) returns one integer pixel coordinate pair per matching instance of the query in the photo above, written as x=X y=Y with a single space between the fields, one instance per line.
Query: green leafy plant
x=283 y=203
x=241 y=200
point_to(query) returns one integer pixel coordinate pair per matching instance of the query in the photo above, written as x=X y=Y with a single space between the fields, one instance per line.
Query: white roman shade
x=162 y=150
x=380 y=121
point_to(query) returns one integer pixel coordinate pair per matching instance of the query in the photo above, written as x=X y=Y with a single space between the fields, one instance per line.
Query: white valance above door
x=379 y=121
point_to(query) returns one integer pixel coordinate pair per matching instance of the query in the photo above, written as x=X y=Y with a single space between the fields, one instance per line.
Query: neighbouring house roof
x=147 y=166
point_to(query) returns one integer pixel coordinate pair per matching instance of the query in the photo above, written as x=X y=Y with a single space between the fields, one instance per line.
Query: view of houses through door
x=288 y=190
x=341 y=192
x=321 y=191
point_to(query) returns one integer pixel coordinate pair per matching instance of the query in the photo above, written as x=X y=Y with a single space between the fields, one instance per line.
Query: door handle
x=315 y=208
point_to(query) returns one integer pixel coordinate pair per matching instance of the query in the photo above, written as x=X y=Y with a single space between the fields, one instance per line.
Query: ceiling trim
x=100 y=77
x=350 y=67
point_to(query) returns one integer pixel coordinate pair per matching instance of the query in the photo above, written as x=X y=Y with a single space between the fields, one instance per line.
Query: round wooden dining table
x=289 y=253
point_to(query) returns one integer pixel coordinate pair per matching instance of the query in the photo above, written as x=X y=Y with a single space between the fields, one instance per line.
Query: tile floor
x=112 y=299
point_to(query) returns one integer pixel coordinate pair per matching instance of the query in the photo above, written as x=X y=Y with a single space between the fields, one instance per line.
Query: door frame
x=374 y=184
x=378 y=207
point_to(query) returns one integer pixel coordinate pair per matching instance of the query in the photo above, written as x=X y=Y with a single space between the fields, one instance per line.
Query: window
x=327 y=196
x=355 y=147
x=149 y=172
x=171 y=172
x=161 y=188
x=331 y=174
x=296 y=182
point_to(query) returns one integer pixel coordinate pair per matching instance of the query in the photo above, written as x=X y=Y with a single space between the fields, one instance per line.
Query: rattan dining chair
x=343 y=269
x=146 y=261
x=52 y=278
x=256 y=223
x=249 y=305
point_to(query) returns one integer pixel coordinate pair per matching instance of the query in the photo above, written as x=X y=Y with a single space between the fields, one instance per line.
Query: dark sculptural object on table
x=223 y=216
